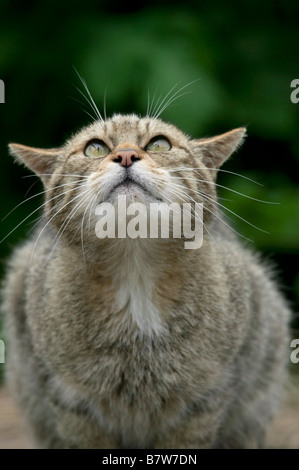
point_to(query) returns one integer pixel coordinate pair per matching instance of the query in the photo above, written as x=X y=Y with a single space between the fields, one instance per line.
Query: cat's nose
x=126 y=157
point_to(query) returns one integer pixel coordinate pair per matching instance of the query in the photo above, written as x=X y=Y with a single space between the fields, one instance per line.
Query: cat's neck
x=143 y=276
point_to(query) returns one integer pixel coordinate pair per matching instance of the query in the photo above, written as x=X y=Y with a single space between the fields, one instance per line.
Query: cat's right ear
x=40 y=161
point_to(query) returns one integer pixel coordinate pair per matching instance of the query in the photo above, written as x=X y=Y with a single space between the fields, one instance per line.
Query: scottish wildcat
x=140 y=343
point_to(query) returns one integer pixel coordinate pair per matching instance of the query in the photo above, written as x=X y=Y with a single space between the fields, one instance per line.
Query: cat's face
x=128 y=156
x=145 y=159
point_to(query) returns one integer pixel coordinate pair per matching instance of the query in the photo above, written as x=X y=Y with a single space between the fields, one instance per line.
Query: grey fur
x=85 y=373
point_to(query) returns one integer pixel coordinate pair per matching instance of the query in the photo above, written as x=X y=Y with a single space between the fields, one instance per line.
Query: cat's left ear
x=39 y=160
x=214 y=151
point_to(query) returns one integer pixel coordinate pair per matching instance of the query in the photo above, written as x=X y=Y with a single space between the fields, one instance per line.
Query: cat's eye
x=96 y=148
x=158 y=144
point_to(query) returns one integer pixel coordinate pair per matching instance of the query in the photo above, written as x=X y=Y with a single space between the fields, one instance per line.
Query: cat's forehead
x=127 y=128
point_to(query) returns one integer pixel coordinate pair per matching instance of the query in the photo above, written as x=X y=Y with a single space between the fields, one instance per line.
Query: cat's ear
x=216 y=150
x=38 y=160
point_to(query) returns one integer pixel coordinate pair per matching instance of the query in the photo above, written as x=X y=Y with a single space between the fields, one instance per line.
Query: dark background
x=245 y=55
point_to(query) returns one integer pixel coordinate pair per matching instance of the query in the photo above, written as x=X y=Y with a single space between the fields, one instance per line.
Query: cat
x=140 y=343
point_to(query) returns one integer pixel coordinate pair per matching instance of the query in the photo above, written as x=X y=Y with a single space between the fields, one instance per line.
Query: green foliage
x=244 y=56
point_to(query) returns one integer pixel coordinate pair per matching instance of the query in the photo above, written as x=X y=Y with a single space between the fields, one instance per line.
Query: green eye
x=158 y=144
x=96 y=148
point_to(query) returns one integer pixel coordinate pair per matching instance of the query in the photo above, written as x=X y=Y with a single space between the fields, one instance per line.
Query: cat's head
x=145 y=159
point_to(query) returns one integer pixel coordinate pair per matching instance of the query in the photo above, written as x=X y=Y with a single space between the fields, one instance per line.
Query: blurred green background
x=245 y=56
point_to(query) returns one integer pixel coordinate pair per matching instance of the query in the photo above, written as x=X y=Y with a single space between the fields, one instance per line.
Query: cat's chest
x=134 y=293
x=136 y=300
x=134 y=407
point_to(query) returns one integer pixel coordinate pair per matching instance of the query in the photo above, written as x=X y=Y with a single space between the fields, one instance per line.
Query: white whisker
x=82 y=227
x=105 y=109
x=182 y=195
x=49 y=221
x=206 y=208
x=215 y=169
x=148 y=102
x=89 y=98
x=165 y=103
x=83 y=109
x=91 y=209
x=33 y=212
x=149 y=113
x=67 y=221
x=225 y=208
x=56 y=174
x=225 y=187
x=170 y=101
x=215 y=214
x=35 y=195
x=160 y=104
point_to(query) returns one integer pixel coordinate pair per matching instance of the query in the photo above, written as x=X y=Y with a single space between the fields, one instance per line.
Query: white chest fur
x=135 y=286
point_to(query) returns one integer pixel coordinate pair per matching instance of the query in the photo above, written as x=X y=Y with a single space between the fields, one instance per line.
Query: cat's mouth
x=130 y=187
x=128 y=182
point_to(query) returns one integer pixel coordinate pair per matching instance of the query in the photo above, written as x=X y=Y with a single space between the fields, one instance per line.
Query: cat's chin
x=133 y=192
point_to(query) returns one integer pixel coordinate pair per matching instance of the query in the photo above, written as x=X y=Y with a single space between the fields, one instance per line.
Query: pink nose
x=126 y=156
